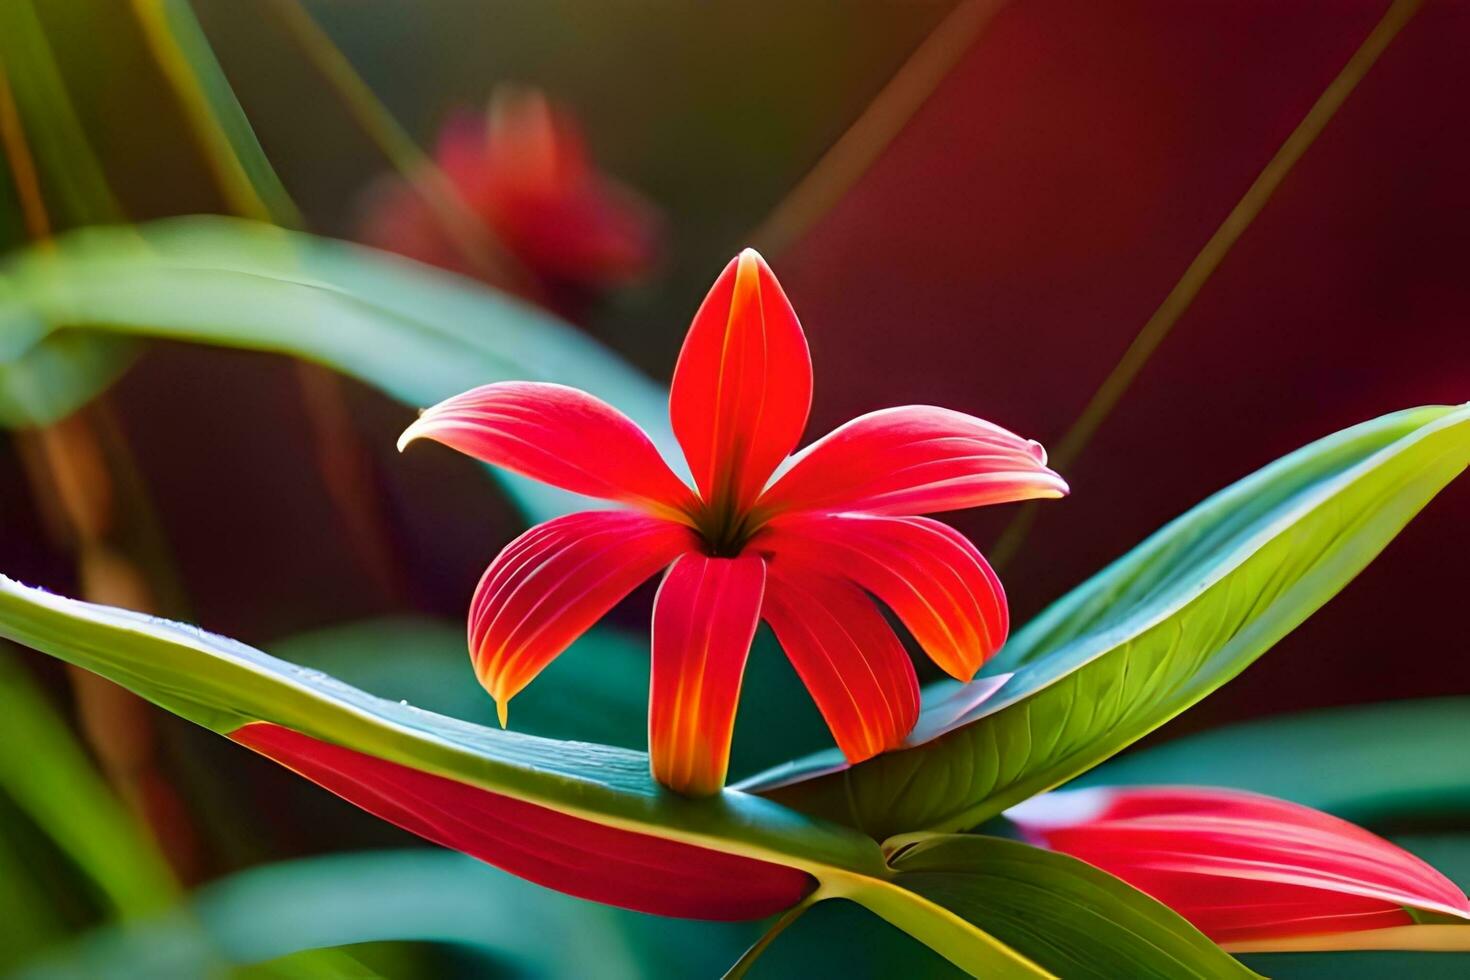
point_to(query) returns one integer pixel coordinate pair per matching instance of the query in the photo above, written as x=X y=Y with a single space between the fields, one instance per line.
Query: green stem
x=432 y=185
x=244 y=175
x=748 y=958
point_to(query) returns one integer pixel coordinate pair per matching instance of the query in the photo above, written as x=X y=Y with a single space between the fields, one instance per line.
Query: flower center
x=725 y=529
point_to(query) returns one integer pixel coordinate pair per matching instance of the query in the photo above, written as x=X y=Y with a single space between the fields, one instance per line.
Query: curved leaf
x=46 y=773
x=226 y=686
x=1366 y=763
x=960 y=940
x=417 y=895
x=59 y=376
x=580 y=857
x=1067 y=916
x=418 y=334
x=427 y=771
x=1151 y=634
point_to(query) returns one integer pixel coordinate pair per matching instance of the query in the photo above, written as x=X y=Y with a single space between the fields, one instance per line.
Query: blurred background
x=978 y=205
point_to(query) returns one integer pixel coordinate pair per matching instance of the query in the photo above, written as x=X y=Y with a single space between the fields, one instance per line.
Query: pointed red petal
x=579 y=857
x=928 y=573
x=703 y=621
x=743 y=385
x=558 y=435
x=847 y=656
x=552 y=583
x=913 y=460
x=1238 y=865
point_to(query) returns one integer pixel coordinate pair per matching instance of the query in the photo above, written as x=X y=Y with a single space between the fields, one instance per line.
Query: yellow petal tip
x=502 y=711
x=409 y=434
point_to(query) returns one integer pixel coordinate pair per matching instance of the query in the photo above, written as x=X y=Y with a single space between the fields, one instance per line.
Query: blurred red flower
x=523 y=172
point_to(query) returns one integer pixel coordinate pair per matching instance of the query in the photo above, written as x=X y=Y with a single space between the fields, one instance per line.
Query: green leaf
x=223 y=685
x=1370 y=764
x=59 y=376
x=47 y=775
x=960 y=940
x=416 y=333
x=76 y=186
x=1150 y=635
x=30 y=923
x=419 y=895
x=1065 y=915
x=186 y=59
x=843 y=939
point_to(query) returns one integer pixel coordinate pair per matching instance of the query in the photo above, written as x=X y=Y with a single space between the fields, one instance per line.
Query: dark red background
x=1003 y=252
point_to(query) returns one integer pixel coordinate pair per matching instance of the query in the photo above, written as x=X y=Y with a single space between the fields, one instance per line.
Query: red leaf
x=582 y=858
x=1238 y=865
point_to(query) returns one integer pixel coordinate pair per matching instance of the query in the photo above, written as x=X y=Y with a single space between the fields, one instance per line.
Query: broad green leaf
x=423 y=895
x=61 y=374
x=1064 y=914
x=1371 y=764
x=223 y=685
x=418 y=334
x=47 y=775
x=1150 y=635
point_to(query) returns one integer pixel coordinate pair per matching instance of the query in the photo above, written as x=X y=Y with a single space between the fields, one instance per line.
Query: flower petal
x=703 y=621
x=847 y=656
x=535 y=183
x=579 y=857
x=743 y=385
x=1238 y=865
x=928 y=573
x=552 y=583
x=558 y=435
x=917 y=459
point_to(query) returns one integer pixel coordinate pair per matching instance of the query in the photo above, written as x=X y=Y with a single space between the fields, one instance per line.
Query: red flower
x=801 y=550
x=523 y=170
x=1243 y=868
